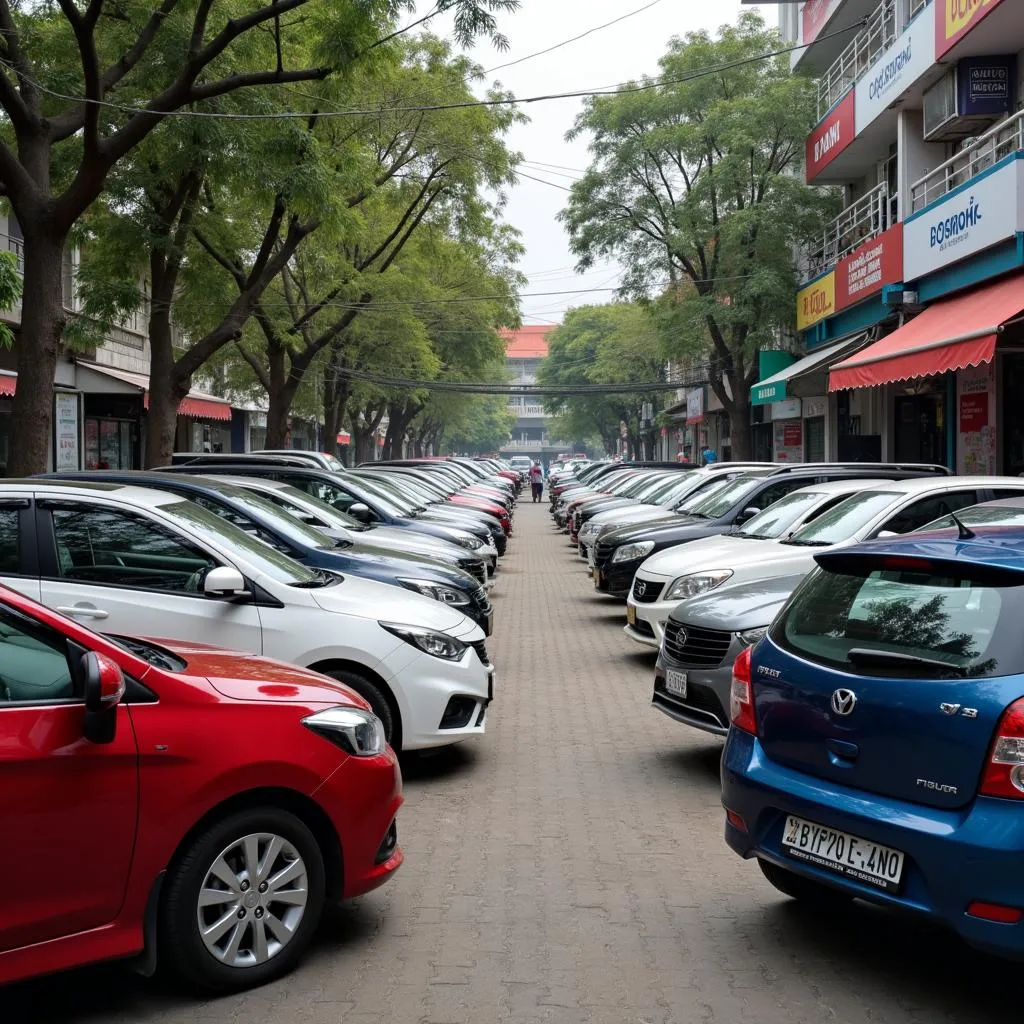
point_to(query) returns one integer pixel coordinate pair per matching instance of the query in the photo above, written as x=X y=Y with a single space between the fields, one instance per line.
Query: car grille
x=691 y=645
x=480 y=598
x=481 y=651
x=476 y=568
x=645 y=592
x=604 y=552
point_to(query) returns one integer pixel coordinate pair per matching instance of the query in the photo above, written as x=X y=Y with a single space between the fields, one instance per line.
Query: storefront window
x=921 y=428
x=110 y=444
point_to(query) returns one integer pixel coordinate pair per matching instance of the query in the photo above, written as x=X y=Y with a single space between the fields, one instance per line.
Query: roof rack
x=924 y=468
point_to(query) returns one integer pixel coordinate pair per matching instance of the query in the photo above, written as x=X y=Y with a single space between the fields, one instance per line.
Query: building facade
x=524 y=350
x=909 y=311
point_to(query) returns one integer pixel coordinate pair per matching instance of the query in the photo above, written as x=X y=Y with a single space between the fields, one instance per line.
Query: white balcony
x=998 y=142
x=863 y=50
x=867 y=218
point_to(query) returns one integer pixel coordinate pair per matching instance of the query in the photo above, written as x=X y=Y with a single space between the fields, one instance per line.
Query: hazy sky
x=626 y=50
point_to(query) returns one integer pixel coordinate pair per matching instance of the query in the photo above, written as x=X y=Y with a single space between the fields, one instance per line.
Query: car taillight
x=1004 y=773
x=741 y=701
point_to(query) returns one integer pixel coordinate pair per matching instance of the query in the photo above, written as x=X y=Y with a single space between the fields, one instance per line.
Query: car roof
x=843 y=485
x=148 y=497
x=913 y=485
x=1003 y=502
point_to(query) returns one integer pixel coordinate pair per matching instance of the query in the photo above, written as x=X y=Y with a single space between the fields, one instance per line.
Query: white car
x=884 y=508
x=150 y=563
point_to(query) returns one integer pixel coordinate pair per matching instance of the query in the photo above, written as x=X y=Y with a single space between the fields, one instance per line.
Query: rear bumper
x=952 y=857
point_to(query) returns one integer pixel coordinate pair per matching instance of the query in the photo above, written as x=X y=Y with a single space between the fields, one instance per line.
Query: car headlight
x=359 y=733
x=437 y=591
x=473 y=543
x=430 y=641
x=752 y=636
x=629 y=552
x=588 y=531
x=696 y=583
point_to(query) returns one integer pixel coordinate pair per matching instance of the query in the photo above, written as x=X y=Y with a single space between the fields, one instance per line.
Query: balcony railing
x=865 y=219
x=853 y=63
x=987 y=149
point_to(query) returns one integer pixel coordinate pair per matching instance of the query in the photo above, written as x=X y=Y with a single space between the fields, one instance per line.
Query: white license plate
x=675 y=682
x=860 y=859
x=630 y=614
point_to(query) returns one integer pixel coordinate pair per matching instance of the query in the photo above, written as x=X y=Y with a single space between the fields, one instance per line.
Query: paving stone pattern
x=569 y=868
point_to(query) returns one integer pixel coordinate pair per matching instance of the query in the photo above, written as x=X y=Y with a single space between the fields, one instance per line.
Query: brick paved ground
x=570 y=868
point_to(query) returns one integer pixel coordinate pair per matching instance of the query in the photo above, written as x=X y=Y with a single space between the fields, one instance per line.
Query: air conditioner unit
x=972 y=95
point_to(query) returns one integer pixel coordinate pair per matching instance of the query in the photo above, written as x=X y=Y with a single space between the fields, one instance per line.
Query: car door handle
x=84 y=611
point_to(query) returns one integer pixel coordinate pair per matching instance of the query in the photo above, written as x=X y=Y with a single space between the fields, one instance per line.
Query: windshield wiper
x=806 y=543
x=754 y=536
x=341 y=542
x=322 y=578
x=871 y=656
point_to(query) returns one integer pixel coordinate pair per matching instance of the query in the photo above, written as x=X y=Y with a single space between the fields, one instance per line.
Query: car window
x=704 y=490
x=124 y=550
x=845 y=519
x=243 y=522
x=10 y=560
x=719 y=502
x=1002 y=493
x=33 y=662
x=773 y=493
x=924 y=510
x=979 y=515
x=775 y=521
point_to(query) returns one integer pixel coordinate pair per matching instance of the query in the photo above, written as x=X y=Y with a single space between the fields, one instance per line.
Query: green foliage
x=696 y=188
x=10 y=292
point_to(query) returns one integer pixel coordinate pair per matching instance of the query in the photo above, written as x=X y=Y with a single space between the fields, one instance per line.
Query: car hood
x=744 y=606
x=244 y=676
x=612 y=518
x=426 y=566
x=721 y=552
x=686 y=527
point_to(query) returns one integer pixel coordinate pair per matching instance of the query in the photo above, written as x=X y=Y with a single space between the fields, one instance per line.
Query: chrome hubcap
x=252 y=900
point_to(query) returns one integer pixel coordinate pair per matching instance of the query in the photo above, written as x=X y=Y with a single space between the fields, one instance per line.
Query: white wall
x=917 y=157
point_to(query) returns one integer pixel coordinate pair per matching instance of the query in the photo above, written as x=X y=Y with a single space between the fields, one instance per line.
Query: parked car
x=619 y=553
x=703 y=565
x=877 y=741
x=702 y=639
x=146 y=562
x=131 y=834
x=520 y=463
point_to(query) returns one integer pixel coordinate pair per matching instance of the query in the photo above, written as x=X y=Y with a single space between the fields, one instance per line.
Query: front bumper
x=706 y=704
x=650 y=618
x=615 y=578
x=953 y=857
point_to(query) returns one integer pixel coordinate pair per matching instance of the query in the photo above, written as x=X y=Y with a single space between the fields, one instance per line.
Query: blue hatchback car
x=877 y=740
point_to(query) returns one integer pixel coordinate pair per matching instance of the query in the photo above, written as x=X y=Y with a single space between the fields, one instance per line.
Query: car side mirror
x=886 y=534
x=104 y=688
x=224 y=581
x=362 y=512
x=747 y=513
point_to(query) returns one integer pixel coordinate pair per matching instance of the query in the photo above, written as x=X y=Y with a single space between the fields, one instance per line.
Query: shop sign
x=815 y=16
x=835 y=132
x=786 y=410
x=870 y=268
x=66 y=446
x=816 y=302
x=986 y=85
x=970 y=220
x=955 y=18
x=789 y=441
x=898 y=68
x=976 y=422
x=765 y=394
x=695 y=406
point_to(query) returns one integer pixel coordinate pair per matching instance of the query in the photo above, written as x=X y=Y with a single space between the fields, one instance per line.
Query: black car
x=619 y=553
x=256 y=515
x=350 y=496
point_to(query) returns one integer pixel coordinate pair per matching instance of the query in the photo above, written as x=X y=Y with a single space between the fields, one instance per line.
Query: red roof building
x=524 y=350
x=527 y=342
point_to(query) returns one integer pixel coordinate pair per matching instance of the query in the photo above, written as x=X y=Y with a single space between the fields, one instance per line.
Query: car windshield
x=704 y=490
x=843 y=521
x=979 y=515
x=933 y=622
x=300 y=504
x=194 y=518
x=291 y=529
x=667 y=489
x=650 y=488
x=391 y=502
x=714 y=506
x=778 y=518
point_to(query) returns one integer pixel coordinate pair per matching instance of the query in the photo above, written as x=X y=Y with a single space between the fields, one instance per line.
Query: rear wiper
x=871 y=656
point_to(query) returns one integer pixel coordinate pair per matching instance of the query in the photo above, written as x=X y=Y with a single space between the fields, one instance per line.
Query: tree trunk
x=739 y=423
x=280 y=395
x=166 y=387
x=38 y=347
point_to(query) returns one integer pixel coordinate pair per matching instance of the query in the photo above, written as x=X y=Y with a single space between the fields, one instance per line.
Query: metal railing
x=852 y=64
x=17 y=246
x=867 y=218
x=1002 y=140
x=916 y=6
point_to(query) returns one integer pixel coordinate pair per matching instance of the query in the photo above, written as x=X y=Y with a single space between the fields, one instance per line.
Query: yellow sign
x=816 y=302
x=957 y=18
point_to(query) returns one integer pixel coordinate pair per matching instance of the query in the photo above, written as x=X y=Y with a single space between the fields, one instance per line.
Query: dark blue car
x=256 y=515
x=877 y=740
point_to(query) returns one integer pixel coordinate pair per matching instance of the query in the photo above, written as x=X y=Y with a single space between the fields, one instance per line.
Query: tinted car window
x=934 y=624
x=33 y=662
x=926 y=509
x=10 y=561
x=776 y=491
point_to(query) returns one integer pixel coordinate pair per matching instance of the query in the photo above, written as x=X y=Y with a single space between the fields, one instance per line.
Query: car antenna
x=965 y=533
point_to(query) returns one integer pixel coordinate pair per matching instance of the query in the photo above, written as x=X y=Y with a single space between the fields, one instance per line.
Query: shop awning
x=787 y=383
x=344 y=438
x=949 y=335
x=8 y=382
x=195 y=404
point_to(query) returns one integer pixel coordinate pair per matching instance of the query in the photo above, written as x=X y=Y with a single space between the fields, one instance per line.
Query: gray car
x=703 y=637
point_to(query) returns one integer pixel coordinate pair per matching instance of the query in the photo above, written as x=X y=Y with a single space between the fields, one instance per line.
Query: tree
x=612 y=344
x=127 y=66
x=694 y=187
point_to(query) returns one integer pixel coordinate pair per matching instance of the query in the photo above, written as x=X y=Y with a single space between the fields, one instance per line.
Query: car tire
x=372 y=693
x=805 y=890
x=211 y=964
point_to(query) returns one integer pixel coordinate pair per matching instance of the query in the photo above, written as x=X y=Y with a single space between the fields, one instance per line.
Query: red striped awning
x=8 y=382
x=951 y=334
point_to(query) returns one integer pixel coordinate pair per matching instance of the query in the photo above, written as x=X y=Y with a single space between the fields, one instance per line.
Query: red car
x=178 y=802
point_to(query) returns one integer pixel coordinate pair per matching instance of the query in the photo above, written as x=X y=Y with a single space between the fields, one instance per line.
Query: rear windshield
x=901 y=623
x=843 y=521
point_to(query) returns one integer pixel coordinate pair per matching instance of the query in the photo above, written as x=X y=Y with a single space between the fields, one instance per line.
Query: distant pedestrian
x=537 y=482
x=708 y=455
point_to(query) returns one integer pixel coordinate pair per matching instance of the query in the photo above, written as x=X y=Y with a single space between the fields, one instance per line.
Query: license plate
x=630 y=614
x=597 y=579
x=675 y=682
x=851 y=856
x=490 y=623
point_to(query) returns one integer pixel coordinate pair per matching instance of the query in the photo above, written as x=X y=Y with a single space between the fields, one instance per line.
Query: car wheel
x=806 y=890
x=374 y=696
x=241 y=905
